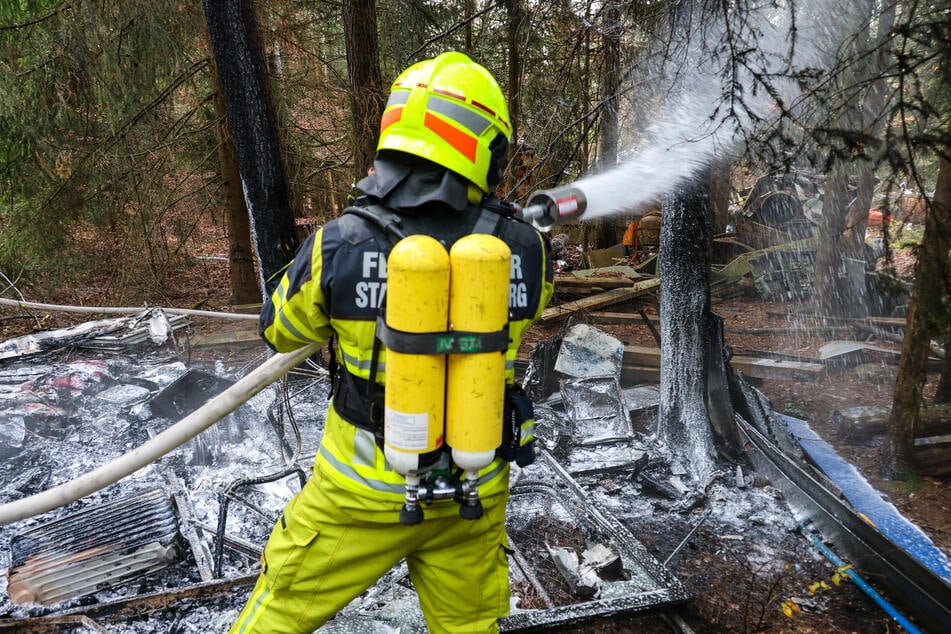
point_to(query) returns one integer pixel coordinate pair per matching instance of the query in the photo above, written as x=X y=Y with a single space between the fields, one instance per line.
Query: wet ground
x=731 y=594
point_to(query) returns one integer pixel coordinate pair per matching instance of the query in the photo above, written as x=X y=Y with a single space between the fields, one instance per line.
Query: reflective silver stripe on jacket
x=389 y=487
x=362 y=364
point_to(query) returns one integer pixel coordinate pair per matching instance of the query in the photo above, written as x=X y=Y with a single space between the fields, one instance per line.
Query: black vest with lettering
x=354 y=252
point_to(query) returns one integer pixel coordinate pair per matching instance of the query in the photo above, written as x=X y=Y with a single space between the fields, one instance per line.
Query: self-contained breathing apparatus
x=444 y=325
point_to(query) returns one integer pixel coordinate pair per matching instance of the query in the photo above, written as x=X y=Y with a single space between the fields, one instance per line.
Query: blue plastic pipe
x=864 y=586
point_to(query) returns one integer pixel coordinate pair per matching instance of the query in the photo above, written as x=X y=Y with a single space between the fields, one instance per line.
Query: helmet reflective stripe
x=475 y=122
x=390 y=117
x=397 y=97
x=392 y=113
x=494 y=114
x=464 y=143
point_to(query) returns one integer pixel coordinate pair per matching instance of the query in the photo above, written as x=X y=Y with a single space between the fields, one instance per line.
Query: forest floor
x=726 y=595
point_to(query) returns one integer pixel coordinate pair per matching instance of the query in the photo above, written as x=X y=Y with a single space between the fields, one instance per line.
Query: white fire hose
x=113 y=310
x=173 y=437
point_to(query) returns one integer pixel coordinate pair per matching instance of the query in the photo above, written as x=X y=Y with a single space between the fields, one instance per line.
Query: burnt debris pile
x=596 y=524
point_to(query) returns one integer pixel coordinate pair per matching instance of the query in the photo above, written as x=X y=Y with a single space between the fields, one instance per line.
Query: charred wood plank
x=932 y=456
x=755 y=367
x=600 y=300
x=586 y=283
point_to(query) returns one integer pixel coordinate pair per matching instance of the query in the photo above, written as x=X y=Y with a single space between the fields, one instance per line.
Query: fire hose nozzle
x=557 y=206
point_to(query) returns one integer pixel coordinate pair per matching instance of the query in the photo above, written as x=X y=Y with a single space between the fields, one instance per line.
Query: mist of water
x=714 y=106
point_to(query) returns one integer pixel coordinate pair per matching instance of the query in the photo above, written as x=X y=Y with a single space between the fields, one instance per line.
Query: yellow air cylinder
x=475 y=385
x=417 y=301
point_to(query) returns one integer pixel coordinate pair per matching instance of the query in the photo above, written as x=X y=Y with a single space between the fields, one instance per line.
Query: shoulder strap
x=487 y=222
x=387 y=221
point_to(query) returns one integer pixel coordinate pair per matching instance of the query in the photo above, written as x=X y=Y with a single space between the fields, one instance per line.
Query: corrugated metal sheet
x=100 y=547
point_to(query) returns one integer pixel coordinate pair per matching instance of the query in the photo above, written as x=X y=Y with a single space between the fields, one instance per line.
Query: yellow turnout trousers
x=319 y=557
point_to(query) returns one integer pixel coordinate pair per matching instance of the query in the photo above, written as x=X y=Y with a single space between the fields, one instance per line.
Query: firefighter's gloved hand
x=518 y=428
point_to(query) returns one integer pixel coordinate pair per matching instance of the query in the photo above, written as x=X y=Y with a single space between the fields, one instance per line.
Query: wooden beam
x=600 y=300
x=763 y=368
x=932 y=456
x=642 y=355
x=755 y=367
x=225 y=338
x=582 y=283
x=618 y=318
x=634 y=374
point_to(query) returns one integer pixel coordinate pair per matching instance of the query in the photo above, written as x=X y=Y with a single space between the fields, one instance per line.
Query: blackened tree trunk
x=244 y=287
x=927 y=318
x=683 y=263
x=236 y=44
x=363 y=67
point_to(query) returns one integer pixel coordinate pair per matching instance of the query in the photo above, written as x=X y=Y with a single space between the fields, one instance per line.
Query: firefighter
x=630 y=238
x=444 y=136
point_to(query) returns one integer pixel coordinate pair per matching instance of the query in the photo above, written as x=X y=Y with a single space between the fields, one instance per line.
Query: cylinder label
x=407 y=431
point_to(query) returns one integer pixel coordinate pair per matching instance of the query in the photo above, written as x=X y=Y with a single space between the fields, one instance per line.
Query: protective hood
x=409 y=182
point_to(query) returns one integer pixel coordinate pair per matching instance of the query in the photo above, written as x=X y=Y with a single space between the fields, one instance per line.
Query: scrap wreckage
x=177 y=535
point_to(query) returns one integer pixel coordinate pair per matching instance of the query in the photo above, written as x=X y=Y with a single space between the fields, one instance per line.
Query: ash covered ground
x=730 y=542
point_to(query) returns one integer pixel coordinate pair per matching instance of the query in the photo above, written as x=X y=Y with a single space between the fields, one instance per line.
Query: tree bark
x=236 y=44
x=943 y=391
x=244 y=287
x=839 y=280
x=683 y=264
x=366 y=92
x=516 y=16
x=926 y=319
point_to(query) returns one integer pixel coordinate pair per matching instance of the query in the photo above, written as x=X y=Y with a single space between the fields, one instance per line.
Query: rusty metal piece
x=103 y=546
x=53 y=625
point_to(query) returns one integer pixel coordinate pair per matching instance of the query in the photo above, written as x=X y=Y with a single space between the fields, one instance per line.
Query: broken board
x=600 y=300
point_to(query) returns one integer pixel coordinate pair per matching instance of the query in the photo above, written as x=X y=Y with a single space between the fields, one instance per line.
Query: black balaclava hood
x=404 y=182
